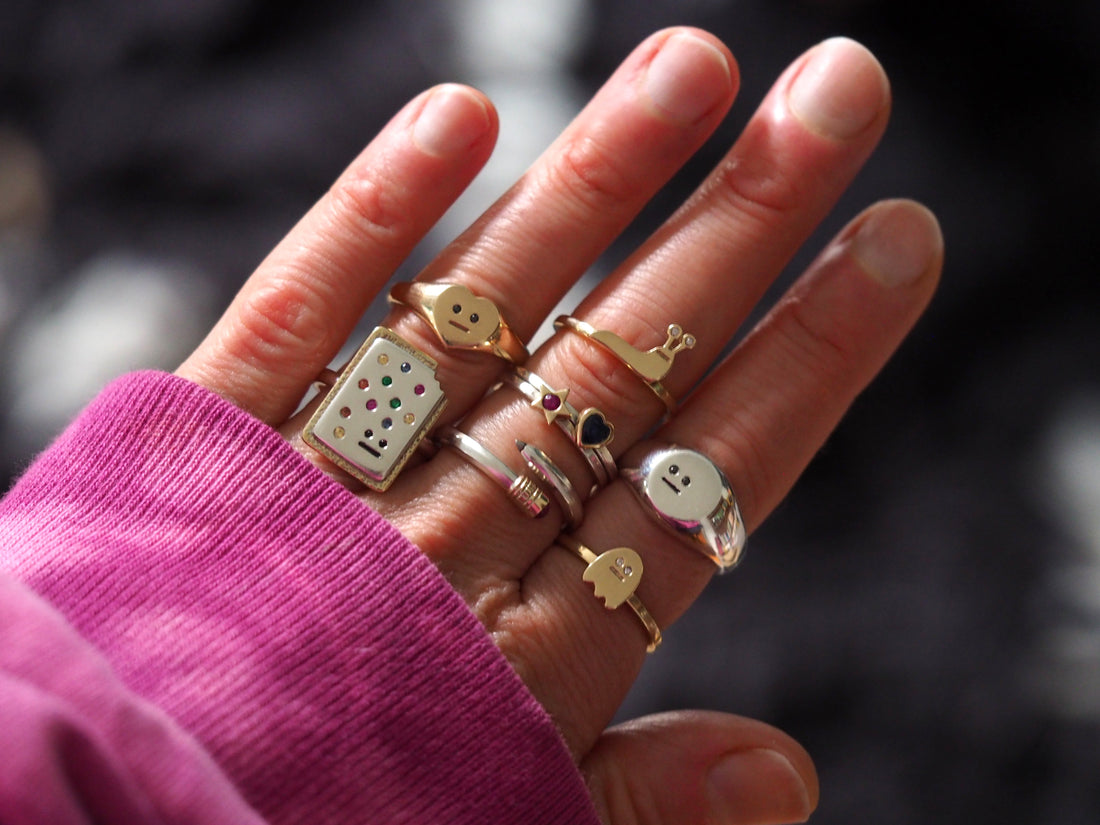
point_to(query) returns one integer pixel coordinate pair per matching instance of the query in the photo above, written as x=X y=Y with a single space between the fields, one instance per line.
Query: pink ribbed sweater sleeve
x=198 y=626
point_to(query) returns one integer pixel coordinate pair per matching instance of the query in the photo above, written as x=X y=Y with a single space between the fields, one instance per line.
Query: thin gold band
x=653 y=631
x=649 y=365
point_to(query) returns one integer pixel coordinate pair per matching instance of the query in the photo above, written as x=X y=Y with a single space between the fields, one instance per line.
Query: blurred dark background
x=924 y=611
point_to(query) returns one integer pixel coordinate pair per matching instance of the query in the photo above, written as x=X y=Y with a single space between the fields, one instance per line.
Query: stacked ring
x=558 y=482
x=588 y=429
x=460 y=318
x=523 y=491
x=615 y=575
x=649 y=365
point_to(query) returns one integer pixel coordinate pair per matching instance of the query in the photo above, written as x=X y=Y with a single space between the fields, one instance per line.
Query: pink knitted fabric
x=221 y=584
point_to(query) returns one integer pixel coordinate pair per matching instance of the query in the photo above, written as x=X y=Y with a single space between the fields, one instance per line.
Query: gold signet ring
x=460 y=318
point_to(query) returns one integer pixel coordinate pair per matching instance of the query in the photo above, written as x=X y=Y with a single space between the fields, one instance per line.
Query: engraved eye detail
x=684 y=485
x=456 y=309
x=474 y=317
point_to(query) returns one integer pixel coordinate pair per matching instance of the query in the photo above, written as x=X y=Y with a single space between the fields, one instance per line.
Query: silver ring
x=588 y=429
x=687 y=492
x=524 y=492
x=566 y=495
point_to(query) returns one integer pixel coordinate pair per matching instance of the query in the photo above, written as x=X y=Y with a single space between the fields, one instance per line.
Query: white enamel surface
x=376 y=441
x=684 y=485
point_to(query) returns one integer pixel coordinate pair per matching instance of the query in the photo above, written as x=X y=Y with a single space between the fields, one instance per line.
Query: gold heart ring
x=460 y=318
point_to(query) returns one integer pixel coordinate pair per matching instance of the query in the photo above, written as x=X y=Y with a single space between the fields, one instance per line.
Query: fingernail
x=687 y=78
x=756 y=785
x=840 y=90
x=452 y=120
x=897 y=242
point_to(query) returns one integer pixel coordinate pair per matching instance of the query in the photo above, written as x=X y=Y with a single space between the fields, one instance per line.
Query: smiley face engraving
x=689 y=494
x=684 y=485
x=462 y=319
x=615 y=575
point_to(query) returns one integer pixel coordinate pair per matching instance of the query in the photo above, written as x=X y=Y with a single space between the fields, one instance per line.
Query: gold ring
x=588 y=429
x=615 y=575
x=650 y=365
x=460 y=318
x=378 y=410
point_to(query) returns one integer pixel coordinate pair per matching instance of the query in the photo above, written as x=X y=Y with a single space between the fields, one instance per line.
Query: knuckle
x=285 y=315
x=597 y=379
x=590 y=174
x=622 y=796
x=367 y=207
x=760 y=188
x=813 y=337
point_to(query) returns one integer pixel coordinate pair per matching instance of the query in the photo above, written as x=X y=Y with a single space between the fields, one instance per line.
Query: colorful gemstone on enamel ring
x=588 y=429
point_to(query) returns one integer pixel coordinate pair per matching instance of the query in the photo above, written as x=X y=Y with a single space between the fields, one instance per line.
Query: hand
x=760 y=415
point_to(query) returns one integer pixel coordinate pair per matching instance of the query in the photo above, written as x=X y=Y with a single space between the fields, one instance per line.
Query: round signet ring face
x=684 y=485
x=687 y=492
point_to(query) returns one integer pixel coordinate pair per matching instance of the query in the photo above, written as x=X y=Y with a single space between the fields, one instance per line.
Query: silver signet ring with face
x=687 y=492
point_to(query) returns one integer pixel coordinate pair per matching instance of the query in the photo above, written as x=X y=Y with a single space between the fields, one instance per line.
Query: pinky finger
x=777 y=398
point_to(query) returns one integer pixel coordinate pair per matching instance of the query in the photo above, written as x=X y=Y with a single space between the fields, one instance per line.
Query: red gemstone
x=551 y=402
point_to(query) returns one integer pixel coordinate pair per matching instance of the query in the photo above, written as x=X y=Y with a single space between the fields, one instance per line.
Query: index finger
x=293 y=314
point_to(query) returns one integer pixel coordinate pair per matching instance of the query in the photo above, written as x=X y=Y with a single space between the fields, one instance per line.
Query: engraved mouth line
x=671 y=486
x=370 y=449
x=458 y=326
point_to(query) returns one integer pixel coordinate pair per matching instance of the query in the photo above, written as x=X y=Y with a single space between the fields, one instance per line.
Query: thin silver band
x=524 y=492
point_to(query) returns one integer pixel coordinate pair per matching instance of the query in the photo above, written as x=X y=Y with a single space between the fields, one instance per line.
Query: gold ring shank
x=652 y=629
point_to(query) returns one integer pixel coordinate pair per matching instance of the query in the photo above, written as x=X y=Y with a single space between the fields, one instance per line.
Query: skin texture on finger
x=688 y=767
x=704 y=269
x=761 y=417
x=293 y=314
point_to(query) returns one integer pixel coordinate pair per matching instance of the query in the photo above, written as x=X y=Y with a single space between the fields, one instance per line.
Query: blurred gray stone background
x=924 y=611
